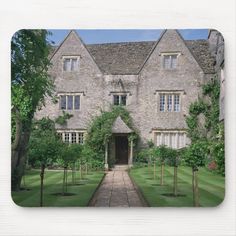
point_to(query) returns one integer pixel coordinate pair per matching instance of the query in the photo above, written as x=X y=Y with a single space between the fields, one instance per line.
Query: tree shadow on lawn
x=63 y=194
x=76 y=184
x=25 y=189
x=161 y=185
x=173 y=195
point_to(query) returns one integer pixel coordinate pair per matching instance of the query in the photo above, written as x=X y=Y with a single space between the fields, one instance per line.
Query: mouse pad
x=117 y=118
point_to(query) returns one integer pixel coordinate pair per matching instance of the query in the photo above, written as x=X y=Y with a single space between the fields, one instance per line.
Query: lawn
x=83 y=191
x=211 y=187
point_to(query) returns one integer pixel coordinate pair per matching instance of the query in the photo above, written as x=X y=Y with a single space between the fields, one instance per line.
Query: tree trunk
x=18 y=160
x=175 y=181
x=154 y=170
x=80 y=171
x=86 y=168
x=73 y=174
x=41 y=184
x=149 y=166
x=195 y=188
x=64 y=181
x=193 y=185
x=162 y=173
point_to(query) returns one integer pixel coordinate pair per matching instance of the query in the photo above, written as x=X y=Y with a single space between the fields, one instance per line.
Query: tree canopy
x=30 y=84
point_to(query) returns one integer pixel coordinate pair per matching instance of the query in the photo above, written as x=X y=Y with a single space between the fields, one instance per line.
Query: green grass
x=211 y=187
x=53 y=184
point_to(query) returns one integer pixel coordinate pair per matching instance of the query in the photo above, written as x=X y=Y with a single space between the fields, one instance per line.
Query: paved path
x=116 y=190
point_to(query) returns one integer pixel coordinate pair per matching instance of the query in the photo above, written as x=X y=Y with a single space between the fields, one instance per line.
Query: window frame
x=165 y=102
x=66 y=95
x=120 y=100
x=170 y=64
x=71 y=58
x=67 y=136
x=168 y=137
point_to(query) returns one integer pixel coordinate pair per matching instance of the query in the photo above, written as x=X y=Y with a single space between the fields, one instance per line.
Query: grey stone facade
x=136 y=70
x=216 y=43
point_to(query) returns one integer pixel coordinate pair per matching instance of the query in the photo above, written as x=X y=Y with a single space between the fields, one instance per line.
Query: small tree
x=88 y=155
x=44 y=146
x=163 y=153
x=195 y=156
x=174 y=160
x=149 y=155
x=69 y=155
x=75 y=154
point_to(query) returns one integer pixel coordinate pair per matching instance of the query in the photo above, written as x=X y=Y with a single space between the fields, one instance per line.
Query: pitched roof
x=201 y=52
x=120 y=58
x=119 y=127
x=128 y=57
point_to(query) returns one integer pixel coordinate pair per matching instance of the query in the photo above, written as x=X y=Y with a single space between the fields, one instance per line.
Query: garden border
x=91 y=200
x=139 y=192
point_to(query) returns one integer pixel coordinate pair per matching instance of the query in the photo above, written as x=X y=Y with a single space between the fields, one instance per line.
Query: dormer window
x=70 y=63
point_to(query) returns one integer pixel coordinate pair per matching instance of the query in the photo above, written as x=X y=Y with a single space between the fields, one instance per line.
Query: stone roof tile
x=120 y=58
x=128 y=57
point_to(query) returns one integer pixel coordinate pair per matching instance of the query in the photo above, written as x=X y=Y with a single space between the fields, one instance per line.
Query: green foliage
x=163 y=153
x=142 y=157
x=69 y=154
x=44 y=145
x=100 y=131
x=62 y=120
x=29 y=77
x=30 y=84
x=174 y=157
x=213 y=130
x=218 y=151
x=196 y=154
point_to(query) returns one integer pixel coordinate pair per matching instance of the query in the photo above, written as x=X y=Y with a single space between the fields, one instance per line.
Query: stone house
x=155 y=81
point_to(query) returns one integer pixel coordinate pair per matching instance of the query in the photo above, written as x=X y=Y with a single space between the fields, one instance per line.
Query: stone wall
x=141 y=89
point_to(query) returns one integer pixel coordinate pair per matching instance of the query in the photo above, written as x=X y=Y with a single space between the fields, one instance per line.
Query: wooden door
x=121 y=150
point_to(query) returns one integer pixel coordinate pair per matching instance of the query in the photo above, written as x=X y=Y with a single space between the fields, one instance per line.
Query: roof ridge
x=129 y=42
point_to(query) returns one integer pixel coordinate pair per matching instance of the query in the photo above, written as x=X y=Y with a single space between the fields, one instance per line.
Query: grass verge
x=80 y=194
x=211 y=187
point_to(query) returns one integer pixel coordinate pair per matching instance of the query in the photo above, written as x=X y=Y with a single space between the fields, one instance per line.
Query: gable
x=172 y=42
x=74 y=46
x=130 y=57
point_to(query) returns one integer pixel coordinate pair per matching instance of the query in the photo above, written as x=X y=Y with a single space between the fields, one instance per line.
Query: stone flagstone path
x=117 y=190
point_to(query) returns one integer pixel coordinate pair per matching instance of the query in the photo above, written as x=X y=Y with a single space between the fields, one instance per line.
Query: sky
x=129 y=35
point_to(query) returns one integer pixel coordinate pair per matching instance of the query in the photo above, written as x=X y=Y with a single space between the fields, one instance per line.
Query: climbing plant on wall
x=204 y=125
x=100 y=130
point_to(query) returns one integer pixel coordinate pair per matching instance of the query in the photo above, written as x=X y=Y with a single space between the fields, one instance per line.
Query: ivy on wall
x=204 y=125
x=100 y=130
x=62 y=120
